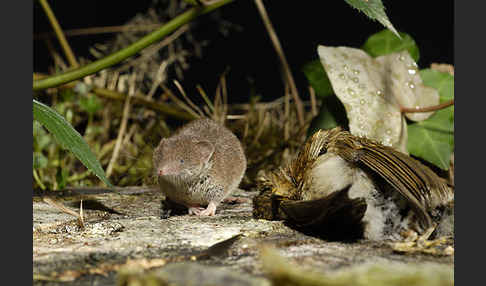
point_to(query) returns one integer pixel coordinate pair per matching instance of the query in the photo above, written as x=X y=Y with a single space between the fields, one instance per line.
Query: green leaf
x=69 y=138
x=90 y=104
x=433 y=139
x=431 y=143
x=375 y=10
x=441 y=81
x=39 y=160
x=317 y=78
x=331 y=114
x=41 y=138
x=385 y=42
x=67 y=94
x=61 y=178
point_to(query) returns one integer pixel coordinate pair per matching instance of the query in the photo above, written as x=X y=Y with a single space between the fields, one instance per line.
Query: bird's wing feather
x=414 y=181
x=329 y=216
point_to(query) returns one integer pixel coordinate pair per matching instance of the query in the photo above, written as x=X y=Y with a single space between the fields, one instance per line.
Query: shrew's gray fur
x=200 y=165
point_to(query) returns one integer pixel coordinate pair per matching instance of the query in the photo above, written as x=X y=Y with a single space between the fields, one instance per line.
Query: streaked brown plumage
x=352 y=171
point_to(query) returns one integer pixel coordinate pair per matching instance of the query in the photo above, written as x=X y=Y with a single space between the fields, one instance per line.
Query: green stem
x=38 y=180
x=78 y=177
x=60 y=35
x=134 y=48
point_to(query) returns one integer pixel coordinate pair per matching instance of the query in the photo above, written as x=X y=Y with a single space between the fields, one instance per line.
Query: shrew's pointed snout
x=165 y=171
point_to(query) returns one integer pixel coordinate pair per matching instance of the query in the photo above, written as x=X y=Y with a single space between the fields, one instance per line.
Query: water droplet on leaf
x=412 y=71
x=351 y=91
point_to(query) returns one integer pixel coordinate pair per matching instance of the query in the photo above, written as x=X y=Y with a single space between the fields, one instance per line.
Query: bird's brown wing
x=335 y=215
x=414 y=181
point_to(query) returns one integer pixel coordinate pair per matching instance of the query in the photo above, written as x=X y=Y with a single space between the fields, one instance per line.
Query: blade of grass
x=68 y=137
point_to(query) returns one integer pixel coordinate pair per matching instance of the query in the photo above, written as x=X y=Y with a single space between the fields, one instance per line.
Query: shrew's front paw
x=209 y=211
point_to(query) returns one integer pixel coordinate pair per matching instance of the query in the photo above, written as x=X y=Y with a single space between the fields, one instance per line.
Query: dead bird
x=199 y=166
x=341 y=185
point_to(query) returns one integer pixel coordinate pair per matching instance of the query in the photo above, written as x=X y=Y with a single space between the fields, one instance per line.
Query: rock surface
x=130 y=234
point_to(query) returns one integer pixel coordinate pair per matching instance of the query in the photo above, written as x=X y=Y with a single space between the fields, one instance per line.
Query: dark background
x=300 y=25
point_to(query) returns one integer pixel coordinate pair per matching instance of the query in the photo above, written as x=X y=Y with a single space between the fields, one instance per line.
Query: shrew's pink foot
x=209 y=211
x=195 y=210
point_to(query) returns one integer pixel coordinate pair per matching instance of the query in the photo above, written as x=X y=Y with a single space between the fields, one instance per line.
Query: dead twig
x=206 y=98
x=283 y=60
x=179 y=102
x=312 y=94
x=186 y=98
x=159 y=78
x=101 y=30
x=58 y=61
x=221 y=99
x=142 y=100
x=60 y=35
x=148 y=53
x=56 y=204
x=123 y=126
x=287 y=113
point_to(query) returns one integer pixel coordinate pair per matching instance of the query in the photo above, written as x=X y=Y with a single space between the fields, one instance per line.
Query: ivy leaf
x=385 y=42
x=443 y=82
x=375 y=10
x=433 y=139
x=331 y=114
x=317 y=78
x=373 y=89
x=404 y=80
x=69 y=138
x=433 y=144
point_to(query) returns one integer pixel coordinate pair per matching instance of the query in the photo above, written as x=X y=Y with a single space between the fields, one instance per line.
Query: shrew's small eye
x=182 y=161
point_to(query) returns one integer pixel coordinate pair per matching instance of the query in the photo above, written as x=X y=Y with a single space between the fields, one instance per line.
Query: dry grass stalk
x=287 y=112
x=209 y=108
x=179 y=102
x=187 y=99
x=278 y=48
x=312 y=94
x=123 y=126
x=101 y=30
x=59 y=206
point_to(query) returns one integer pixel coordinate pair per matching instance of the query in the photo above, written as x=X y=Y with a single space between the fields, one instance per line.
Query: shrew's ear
x=205 y=148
